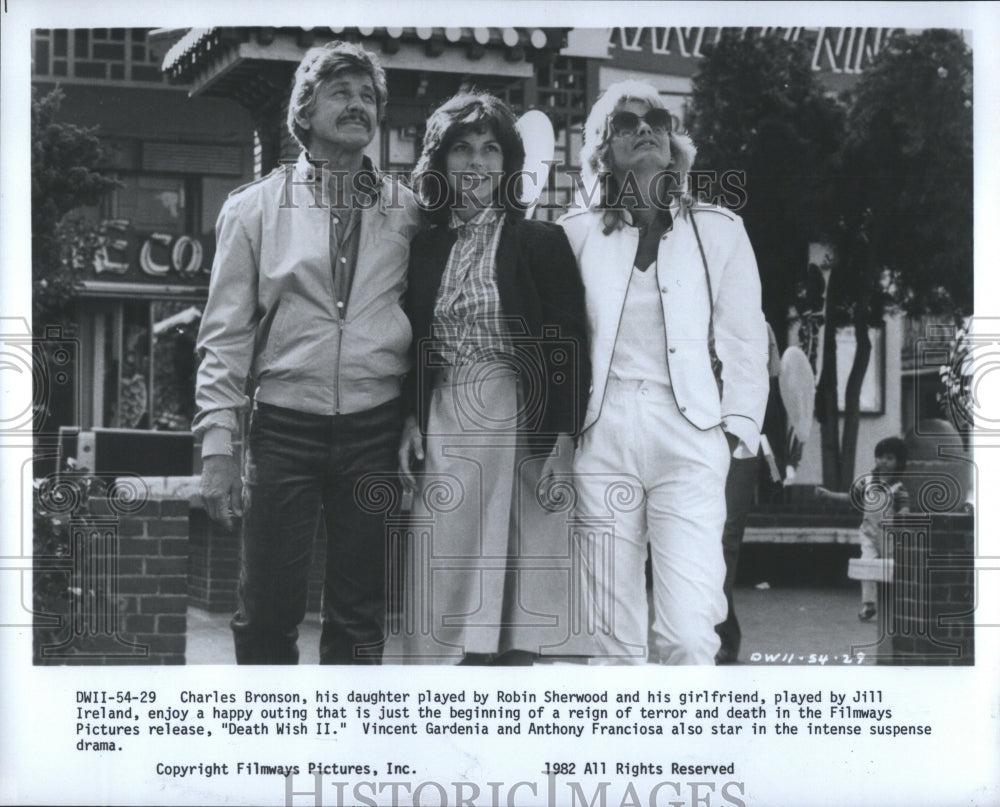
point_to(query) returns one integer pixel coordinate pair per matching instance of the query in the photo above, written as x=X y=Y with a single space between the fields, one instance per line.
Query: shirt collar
x=487 y=215
x=306 y=167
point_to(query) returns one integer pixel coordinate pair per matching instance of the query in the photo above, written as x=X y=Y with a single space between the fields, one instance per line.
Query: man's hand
x=411 y=447
x=222 y=489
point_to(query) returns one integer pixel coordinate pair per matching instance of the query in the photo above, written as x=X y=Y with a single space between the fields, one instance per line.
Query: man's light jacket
x=272 y=313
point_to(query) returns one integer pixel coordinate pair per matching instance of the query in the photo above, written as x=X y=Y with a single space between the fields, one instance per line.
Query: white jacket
x=740 y=332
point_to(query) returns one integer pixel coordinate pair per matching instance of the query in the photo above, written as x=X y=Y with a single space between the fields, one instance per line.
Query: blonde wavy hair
x=595 y=155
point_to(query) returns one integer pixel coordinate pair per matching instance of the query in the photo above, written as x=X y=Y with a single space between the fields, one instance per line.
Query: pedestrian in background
x=879 y=495
x=741 y=482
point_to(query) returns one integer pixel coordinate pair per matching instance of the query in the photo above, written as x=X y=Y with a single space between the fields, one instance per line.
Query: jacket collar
x=306 y=168
x=679 y=206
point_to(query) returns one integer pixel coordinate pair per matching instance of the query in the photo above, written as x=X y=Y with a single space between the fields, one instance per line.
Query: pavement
x=786 y=626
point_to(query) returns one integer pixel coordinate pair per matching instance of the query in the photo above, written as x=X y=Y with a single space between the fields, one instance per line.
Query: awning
x=222 y=61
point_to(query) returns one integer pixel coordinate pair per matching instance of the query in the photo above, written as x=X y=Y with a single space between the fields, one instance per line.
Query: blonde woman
x=672 y=292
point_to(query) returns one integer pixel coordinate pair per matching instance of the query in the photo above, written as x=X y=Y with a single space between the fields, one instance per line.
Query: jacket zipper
x=339 y=307
x=336 y=372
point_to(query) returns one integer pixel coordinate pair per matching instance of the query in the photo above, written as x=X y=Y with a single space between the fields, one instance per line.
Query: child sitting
x=882 y=485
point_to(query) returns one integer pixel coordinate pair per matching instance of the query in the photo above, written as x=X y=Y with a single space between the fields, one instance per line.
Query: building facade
x=175 y=158
x=186 y=115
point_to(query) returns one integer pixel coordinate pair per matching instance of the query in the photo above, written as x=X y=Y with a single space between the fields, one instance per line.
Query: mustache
x=355 y=116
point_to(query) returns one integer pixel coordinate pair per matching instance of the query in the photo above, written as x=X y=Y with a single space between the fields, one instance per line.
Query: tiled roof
x=198 y=47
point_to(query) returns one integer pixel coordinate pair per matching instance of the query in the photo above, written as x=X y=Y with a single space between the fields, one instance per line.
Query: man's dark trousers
x=301 y=468
x=740 y=484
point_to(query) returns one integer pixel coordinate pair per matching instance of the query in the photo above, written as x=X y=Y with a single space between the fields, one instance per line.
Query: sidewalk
x=780 y=626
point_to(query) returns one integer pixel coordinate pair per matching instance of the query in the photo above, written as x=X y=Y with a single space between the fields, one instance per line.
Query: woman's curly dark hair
x=461 y=114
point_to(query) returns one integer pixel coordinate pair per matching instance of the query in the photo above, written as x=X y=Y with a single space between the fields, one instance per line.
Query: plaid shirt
x=468 y=319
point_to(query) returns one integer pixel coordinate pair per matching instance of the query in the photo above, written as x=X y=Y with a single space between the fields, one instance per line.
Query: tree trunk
x=826 y=395
x=852 y=397
x=862 y=355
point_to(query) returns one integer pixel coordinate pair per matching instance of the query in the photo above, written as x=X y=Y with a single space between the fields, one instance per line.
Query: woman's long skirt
x=488 y=563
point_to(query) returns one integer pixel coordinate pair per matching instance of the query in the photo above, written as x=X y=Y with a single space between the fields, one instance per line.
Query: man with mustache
x=305 y=305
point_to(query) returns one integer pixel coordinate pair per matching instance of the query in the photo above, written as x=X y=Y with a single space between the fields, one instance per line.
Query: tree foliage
x=884 y=176
x=64 y=177
x=902 y=205
x=756 y=107
x=906 y=176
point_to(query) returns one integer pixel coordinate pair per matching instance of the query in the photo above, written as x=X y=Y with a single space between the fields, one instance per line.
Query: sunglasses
x=625 y=124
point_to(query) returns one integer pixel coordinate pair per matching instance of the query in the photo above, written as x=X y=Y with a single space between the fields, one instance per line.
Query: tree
x=64 y=177
x=756 y=107
x=903 y=206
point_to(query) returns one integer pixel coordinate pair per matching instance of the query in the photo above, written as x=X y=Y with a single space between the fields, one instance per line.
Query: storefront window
x=175 y=328
x=131 y=410
x=140 y=314
x=106 y=374
x=145 y=363
x=152 y=203
x=123 y=340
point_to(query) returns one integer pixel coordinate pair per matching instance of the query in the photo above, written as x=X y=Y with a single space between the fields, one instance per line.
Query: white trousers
x=646 y=477
x=871 y=548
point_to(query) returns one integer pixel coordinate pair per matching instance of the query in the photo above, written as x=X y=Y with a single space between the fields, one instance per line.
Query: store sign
x=136 y=255
x=835 y=50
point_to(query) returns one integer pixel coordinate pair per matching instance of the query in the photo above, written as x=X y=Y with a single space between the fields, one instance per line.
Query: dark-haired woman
x=499 y=374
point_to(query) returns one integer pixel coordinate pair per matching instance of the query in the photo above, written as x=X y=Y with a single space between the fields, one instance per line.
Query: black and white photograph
x=644 y=347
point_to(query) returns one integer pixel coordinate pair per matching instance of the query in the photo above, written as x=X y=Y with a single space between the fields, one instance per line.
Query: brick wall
x=213 y=564
x=928 y=607
x=153 y=578
x=127 y=572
